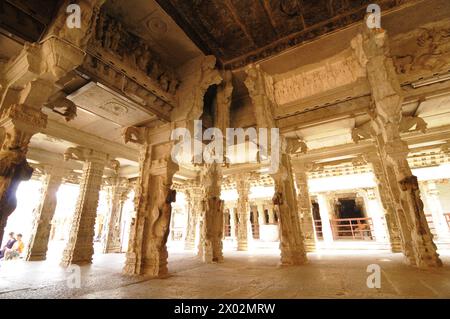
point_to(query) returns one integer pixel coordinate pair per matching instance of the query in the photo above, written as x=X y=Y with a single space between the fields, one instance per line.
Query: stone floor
x=329 y=274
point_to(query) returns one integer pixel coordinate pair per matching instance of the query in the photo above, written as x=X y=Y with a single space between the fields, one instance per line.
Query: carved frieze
x=130 y=51
x=424 y=50
x=301 y=83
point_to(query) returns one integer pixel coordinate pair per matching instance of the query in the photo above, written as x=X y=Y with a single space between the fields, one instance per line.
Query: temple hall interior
x=225 y=149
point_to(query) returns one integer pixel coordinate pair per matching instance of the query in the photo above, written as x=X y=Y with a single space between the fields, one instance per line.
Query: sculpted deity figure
x=115 y=38
x=143 y=58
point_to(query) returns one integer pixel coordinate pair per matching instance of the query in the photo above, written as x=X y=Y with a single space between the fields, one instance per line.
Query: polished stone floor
x=329 y=274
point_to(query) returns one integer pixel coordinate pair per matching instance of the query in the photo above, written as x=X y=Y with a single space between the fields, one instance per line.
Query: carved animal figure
x=362 y=132
x=133 y=134
x=408 y=122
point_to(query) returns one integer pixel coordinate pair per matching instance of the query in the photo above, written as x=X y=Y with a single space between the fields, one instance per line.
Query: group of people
x=13 y=248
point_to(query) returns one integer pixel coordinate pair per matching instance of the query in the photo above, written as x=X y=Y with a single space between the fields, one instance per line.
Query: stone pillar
x=304 y=205
x=19 y=122
x=255 y=222
x=80 y=247
x=386 y=201
x=38 y=244
x=147 y=249
x=233 y=221
x=324 y=211
x=260 y=208
x=117 y=189
x=292 y=244
x=271 y=214
x=386 y=125
x=27 y=81
x=437 y=213
x=194 y=195
x=211 y=231
x=375 y=212
x=243 y=189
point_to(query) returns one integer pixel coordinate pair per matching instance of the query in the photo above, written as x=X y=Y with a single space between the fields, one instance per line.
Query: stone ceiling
x=26 y=19
x=239 y=32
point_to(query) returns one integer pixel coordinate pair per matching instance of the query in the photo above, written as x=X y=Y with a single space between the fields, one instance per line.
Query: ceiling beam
x=268 y=11
x=51 y=158
x=81 y=138
x=236 y=18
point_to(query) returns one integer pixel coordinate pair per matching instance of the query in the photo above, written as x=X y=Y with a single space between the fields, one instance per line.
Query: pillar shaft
x=304 y=205
x=386 y=201
x=80 y=247
x=255 y=228
x=324 y=211
x=194 y=196
x=243 y=188
x=147 y=250
x=375 y=212
x=19 y=123
x=38 y=245
x=118 y=194
x=211 y=230
x=437 y=213
x=386 y=127
x=285 y=202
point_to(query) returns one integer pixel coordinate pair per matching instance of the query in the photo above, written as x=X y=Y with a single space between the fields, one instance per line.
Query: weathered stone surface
x=80 y=247
x=211 y=221
x=147 y=250
x=38 y=244
x=117 y=189
x=243 y=210
x=386 y=126
x=194 y=195
x=304 y=204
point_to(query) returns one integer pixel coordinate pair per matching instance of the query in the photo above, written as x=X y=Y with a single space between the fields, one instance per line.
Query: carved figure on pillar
x=292 y=244
x=243 y=189
x=147 y=251
x=211 y=232
x=194 y=195
x=386 y=126
x=304 y=204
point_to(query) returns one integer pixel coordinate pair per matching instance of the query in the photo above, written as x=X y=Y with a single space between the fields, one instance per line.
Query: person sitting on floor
x=16 y=249
x=8 y=245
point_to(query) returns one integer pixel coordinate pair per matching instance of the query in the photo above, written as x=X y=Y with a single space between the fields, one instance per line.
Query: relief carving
x=134 y=134
x=431 y=52
x=321 y=79
x=132 y=50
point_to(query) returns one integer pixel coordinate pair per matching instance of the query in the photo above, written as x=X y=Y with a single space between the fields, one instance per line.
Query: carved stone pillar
x=260 y=209
x=233 y=220
x=304 y=205
x=38 y=244
x=211 y=230
x=80 y=247
x=292 y=245
x=255 y=229
x=386 y=201
x=375 y=212
x=118 y=189
x=437 y=213
x=147 y=250
x=324 y=211
x=243 y=189
x=19 y=122
x=194 y=195
x=387 y=123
